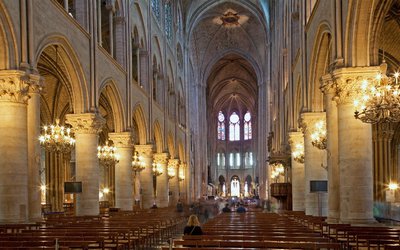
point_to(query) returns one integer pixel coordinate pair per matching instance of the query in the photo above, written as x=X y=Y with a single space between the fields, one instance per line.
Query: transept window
x=155 y=7
x=247 y=126
x=168 y=20
x=221 y=160
x=221 y=126
x=234 y=127
x=248 y=160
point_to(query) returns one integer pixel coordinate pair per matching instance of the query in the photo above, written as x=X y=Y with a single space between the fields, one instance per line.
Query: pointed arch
x=110 y=90
x=158 y=137
x=320 y=60
x=72 y=68
x=140 y=121
x=8 y=49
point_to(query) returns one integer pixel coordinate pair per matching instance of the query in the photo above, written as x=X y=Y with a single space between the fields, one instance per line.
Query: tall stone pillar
x=110 y=9
x=162 y=180
x=332 y=149
x=146 y=176
x=123 y=170
x=355 y=149
x=86 y=128
x=120 y=39
x=174 y=182
x=14 y=87
x=298 y=178
x=314 y=158
x=34 y=151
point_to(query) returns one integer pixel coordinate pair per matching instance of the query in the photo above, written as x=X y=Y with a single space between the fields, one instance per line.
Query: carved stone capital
x=295 y=138
x=14 y=86
x=309 y=119
x=88 y=123
x=173 y=163
x=145 y=150
x=122 y=140
x=36 y=84
x=348 y=81
x=327 y=85
x=160 y=158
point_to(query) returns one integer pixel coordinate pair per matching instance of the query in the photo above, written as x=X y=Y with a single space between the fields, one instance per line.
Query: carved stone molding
x=160 y=158
x=348 y=81
x=173 y=163
x=308 y=120
x=122 y=140
x=14 y=86
x=36 y=84
x=145 y=150
x=327 y=85
x=295 y=138
x=88 y=123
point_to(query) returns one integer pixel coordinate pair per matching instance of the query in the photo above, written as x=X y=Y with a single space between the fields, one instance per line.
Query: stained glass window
x=155 y=7
x=221 y=126
x=247 y=126
x=234 y=127
x=168 y=20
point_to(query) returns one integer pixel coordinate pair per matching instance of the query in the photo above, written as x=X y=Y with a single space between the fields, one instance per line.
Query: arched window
x=221 y=160
x=234 y=127
x=179 y=21
x=221 y=126
x=247 y=126
x=155 y=7
x=168 y=20
x=248 y=160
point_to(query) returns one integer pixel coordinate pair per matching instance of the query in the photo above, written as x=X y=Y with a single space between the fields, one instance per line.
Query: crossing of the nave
x=121 y=118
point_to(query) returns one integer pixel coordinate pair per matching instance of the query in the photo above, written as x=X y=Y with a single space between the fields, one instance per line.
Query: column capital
x=160 y=158
x=309 y=119
x=145 y=150
x=14 y=86
x=347 y=81
x=88 y=123
x=36 y=84
x=173 y=163
x=327 y=85
x=122 y=139
x=295 y=138
x=119 y=20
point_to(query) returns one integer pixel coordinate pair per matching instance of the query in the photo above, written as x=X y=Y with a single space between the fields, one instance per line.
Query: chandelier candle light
x=181 y=176
x=157 y=169
x=379 y=101
x=56 y=138
x=298 y=153
x=138 y=164
x=171 y=172
x=318 y=137
x=107 y=155
x=277 y=169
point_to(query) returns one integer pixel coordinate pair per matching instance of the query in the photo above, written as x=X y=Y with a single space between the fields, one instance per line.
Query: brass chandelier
x=56 y=138
x=157 y=169
x=379 y=100
x=318 y=136
x=298 y=153
x=171 y=172
x=107 y=155
x=138 y=164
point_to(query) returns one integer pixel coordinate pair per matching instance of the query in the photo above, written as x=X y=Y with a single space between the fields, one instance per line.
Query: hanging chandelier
x=318 y=137
x=107 y=155
x=56 y=138
x=181 y=175
x=298 y=153
x=157 y=169
x=277 y=170
x=171 y=172
x=138 y=164
x=379 y=100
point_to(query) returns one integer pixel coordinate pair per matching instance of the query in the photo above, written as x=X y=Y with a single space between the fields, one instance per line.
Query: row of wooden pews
x=255 y=230
x=116 y=230
x=375 y=236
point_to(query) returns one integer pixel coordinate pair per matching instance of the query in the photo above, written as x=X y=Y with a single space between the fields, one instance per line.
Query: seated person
x=226 y=209
x=241 y=209
x=193 y=226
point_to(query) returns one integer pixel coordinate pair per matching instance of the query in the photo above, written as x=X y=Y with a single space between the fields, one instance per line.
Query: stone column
x=143 y=78
x=14 y=87
x=120 y=39
x=298 y=179
x=162 y=180
x=314 y=158
x=110 y=10
x=355 y=149
x=86 y=128
x=99 y=32
x=329 y=91
x=174 y=182
x=146 y=176
x=123 y=170
x=34 y=151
